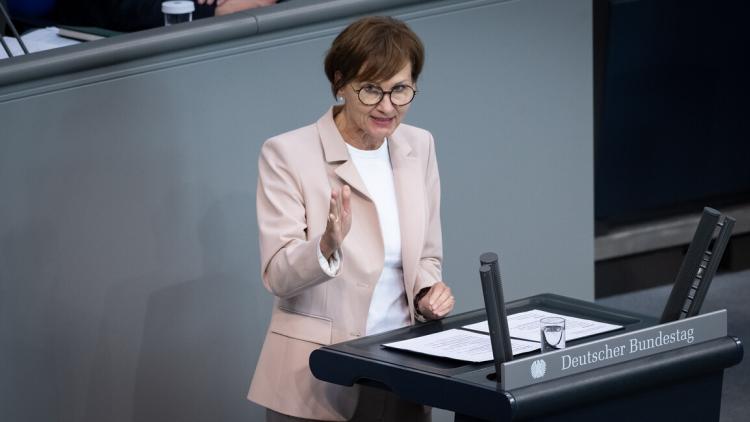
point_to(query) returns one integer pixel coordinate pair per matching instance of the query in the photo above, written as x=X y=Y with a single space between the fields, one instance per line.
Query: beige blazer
x=296 y=171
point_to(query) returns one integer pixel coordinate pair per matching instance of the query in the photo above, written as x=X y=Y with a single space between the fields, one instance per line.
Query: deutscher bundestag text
x=635 y=345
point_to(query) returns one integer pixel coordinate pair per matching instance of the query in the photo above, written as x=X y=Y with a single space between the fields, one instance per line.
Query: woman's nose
x=385 y=105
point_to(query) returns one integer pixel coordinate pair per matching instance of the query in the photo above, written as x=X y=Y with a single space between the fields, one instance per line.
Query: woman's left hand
x=437 y=302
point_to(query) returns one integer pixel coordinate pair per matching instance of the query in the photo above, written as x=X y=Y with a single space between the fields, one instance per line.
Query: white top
x=177 y=7
x=388 y=308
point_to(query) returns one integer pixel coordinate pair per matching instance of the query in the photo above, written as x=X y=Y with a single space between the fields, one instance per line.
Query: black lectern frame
x=683 y=383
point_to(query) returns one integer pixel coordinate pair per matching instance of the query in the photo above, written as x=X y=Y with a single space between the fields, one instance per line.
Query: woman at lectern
x=349 y=219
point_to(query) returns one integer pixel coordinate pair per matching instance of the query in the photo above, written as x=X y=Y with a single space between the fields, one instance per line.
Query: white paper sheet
x=525 y=325
x=460 y=345
x=37 y=40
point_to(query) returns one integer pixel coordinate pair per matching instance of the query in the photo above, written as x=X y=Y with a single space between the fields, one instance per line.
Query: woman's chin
x=382 y=131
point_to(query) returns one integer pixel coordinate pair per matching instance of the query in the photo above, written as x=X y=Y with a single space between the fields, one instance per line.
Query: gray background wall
x=129 y=275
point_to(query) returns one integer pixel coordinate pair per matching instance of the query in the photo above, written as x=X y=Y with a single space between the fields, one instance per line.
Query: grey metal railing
x=162 y=40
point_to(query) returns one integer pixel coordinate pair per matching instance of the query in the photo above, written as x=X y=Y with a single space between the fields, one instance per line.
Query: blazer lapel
x=410 y=196
x=336 y=154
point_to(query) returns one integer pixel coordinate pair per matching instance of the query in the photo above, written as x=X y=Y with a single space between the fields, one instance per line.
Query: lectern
x=681 y=383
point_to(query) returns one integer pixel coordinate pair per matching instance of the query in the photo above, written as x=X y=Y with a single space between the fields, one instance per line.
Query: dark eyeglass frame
x=382 y=95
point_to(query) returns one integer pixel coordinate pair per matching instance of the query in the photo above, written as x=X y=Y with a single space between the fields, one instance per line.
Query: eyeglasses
x=371 y=95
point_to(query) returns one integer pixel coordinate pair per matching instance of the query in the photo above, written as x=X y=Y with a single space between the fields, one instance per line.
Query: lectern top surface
x=371 y=347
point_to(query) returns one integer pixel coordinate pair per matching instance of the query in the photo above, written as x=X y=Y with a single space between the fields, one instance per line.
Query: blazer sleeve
x=431 y=259
x=289 y=260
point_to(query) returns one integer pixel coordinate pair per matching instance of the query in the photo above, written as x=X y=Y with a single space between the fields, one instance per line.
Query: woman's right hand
x=339 y=221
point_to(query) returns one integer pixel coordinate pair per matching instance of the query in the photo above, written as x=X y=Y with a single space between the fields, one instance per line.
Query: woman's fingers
x=446 y=306
x=346 y=210
x=334 y=195
x=339 y=217
x=334 y=207
x=441 y=293
x=437 y=294
x=342 y=207
x=438 y=301
x=346 y=193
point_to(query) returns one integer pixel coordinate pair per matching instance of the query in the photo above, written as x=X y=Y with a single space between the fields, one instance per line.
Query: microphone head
x=488 y=258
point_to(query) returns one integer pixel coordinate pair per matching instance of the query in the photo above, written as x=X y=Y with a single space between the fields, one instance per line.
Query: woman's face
x=370 y=124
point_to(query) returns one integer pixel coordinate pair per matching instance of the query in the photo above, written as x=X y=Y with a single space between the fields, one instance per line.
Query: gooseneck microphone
x=494 y=303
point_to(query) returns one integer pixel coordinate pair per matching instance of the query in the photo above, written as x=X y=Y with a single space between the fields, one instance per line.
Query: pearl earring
x=340 y=99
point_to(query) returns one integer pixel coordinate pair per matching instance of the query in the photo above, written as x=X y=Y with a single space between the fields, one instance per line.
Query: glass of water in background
x=552 y=333
x=177 y=11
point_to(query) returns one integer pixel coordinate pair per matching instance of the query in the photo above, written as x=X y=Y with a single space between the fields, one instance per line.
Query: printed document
x=525 y=325
x=460 y=345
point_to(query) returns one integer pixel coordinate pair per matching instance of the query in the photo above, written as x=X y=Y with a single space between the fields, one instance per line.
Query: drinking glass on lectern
x=552 y=333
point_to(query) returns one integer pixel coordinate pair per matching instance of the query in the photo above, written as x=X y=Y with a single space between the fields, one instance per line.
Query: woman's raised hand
x=339 y=221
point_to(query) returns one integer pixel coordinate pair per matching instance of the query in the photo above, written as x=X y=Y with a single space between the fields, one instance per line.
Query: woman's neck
x=353 y=135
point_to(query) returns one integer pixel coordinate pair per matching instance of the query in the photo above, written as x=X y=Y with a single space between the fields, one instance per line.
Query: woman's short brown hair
x=373 y=49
